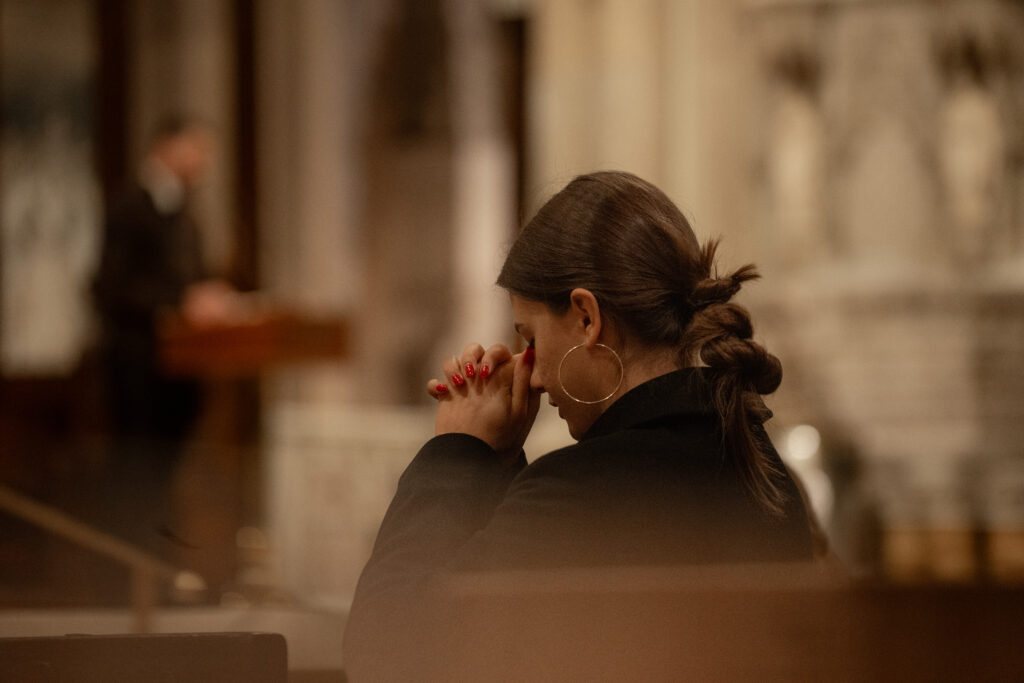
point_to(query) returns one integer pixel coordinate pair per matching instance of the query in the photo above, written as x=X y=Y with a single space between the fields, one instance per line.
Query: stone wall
x=890 y=219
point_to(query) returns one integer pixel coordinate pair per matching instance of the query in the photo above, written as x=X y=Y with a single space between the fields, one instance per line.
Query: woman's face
x=551 y=336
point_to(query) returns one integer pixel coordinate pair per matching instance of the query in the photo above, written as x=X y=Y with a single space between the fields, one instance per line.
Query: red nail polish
x=457 y=378
x=441 y=388
x=528 y=355
x=470 y=370
x=485 y=371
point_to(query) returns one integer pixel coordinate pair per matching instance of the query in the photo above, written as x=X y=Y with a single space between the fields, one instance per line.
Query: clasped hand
x=487 y=395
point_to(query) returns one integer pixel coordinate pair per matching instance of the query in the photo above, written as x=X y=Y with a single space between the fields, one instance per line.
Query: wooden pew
x=149 y=658
x=754 y=623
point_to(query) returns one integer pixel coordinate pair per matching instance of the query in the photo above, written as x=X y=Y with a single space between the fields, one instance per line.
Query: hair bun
x=711 y=291
x=720 y=335
x=731 y=320
x=719 y=290
x=761 y=370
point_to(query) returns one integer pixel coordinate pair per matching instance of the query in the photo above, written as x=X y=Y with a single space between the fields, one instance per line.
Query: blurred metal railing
x=146 y=570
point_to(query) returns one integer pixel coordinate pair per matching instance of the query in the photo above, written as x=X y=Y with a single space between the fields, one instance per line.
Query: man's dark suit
x=149 y=259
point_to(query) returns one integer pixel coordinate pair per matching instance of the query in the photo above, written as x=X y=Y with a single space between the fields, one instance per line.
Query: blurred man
x=151 y=267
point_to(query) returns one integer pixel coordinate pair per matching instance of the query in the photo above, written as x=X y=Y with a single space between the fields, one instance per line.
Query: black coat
x=648 y=484
x=148 y=261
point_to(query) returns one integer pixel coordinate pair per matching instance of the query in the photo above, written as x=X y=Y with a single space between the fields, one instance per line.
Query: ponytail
x=719 y=336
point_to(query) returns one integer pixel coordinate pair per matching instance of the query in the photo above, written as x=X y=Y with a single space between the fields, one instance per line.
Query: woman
x=631 y=334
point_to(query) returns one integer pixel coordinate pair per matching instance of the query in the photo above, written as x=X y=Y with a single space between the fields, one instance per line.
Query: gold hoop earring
x=622 y=373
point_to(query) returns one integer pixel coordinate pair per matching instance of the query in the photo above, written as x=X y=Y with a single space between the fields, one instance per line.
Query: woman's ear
x=588 y=313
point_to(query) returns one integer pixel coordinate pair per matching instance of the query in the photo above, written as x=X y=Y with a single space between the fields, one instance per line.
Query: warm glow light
x=802 y=443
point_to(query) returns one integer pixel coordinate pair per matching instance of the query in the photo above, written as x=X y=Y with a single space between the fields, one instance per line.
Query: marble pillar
x=387 y=191
x=483 y=155
x=312 y=72
x=658 y=88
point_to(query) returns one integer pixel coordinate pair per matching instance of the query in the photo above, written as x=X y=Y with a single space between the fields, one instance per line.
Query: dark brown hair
x=621 y=238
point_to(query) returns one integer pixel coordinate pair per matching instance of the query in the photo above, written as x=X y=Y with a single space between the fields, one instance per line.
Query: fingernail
x=457 y=378
x=470 y=370
x=528 y=355
x=441 y=388
x=485 y=371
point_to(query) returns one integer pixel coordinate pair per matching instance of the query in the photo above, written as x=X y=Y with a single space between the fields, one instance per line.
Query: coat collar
x=681 y=392
x=165 y=189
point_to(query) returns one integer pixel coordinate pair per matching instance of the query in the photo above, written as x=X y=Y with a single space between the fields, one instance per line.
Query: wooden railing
x=146 y=570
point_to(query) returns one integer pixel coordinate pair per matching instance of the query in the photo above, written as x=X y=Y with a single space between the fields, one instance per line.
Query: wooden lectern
x=251 y=345
x=218 y=490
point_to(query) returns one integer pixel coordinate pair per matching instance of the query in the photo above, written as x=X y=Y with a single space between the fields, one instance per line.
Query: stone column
x=596 y=84
x=630 y=80
x=312 y=71
x=706 y=139
x=562 y=83
x=312 y=59
x=325 y=488
x=658 y=88
x=484 y=180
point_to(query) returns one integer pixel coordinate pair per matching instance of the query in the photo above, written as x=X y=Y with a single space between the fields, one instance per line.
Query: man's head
x=185 y=146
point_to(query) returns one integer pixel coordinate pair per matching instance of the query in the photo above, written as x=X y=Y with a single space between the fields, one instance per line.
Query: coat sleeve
x=447 y=494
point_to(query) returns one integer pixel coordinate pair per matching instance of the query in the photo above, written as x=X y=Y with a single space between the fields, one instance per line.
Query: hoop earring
x=622 y=373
